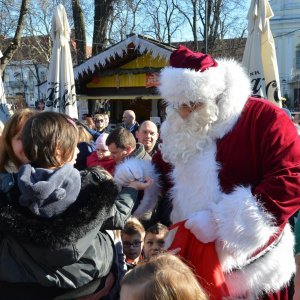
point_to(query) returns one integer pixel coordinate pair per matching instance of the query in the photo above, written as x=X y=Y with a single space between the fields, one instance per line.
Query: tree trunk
x=15 y=44
x=194 y=28
x=103 y=11
x=80 y=35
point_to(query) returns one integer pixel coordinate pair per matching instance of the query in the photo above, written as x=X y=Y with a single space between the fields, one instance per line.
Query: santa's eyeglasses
x=191 y=106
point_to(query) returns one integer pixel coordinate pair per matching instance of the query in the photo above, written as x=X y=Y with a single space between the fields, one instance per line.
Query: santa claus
x=236 y=173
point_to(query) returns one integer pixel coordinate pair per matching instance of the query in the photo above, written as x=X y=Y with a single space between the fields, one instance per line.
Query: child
x=133 y=236
x=70 y=255
x=49 y=184
x=102 y=156
x=154 y=240
x=164 y=277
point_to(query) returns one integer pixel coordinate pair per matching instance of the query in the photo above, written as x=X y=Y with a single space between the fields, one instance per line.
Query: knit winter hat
x=100 y=142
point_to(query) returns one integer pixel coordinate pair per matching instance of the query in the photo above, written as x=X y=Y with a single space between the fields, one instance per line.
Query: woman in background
x=85 y=146
x=11 y=150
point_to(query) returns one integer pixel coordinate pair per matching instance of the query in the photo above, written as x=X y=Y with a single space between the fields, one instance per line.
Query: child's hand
x=141 y=185
x=174 y=251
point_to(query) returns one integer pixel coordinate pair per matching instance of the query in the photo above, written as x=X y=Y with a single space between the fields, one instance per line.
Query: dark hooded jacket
x=66 y=252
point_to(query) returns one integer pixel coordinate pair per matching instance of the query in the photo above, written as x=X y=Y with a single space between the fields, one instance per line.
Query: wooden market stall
x=125 y=76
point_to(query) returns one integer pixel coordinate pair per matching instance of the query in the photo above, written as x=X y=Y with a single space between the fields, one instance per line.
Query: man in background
x=129 y=121
x=133 y=162
x=147 y=134
x=121 y=144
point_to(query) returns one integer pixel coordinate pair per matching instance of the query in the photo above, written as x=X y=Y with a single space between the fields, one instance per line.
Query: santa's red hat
x=186 y=58
x=197 y=77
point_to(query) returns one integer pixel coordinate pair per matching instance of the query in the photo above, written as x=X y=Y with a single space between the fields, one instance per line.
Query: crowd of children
x=140 y=244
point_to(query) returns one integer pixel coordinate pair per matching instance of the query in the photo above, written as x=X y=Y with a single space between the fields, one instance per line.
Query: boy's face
x=132 y=245
x=154 y=244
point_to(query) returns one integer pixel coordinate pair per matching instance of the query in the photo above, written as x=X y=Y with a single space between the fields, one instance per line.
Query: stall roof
x=140 y=43
x=135 y=42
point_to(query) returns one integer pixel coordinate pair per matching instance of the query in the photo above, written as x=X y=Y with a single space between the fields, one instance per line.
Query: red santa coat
x=263 y=151
x=250 y=180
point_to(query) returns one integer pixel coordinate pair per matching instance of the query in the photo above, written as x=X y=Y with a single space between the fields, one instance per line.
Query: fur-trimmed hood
x=90 y=210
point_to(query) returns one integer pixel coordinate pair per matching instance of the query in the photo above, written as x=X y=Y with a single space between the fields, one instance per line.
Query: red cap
x=187 y=59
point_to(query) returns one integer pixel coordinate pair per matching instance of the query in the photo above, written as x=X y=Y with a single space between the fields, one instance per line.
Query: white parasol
x=259 y=57
x=61 y=95
x=4 y=111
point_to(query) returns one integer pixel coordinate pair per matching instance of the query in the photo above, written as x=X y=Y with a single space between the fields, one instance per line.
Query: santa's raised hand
x=203 y=226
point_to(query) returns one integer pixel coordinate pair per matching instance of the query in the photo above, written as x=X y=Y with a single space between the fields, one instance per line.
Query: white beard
x=183 y=138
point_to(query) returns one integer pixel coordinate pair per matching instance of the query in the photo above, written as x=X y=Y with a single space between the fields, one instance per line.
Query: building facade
x=24 y=74
x=20 y=80
x=285 y=26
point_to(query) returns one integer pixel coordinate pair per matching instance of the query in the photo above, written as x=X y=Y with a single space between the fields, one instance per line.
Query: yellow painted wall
x=144 y=61
x=114 y=81
x=128 y=80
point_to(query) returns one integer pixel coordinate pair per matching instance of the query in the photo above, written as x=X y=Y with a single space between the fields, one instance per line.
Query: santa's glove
x=203 y=226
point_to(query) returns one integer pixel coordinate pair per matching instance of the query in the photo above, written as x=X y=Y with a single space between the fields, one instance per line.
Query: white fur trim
x=227 y=85
x=268 y=274
x=179 y=86
x=169 y=238
x=129 y=170
x=196 y=184
x=137 y=169
x=243 y=227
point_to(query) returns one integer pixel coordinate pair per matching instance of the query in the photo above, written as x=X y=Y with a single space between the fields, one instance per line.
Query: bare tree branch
x=11 y=49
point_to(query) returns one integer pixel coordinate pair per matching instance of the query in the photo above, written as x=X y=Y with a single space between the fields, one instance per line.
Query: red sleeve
x=279 y=189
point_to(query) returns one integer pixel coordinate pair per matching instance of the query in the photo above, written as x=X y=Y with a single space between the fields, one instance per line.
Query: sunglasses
x=191 y=106
x=98 y=120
